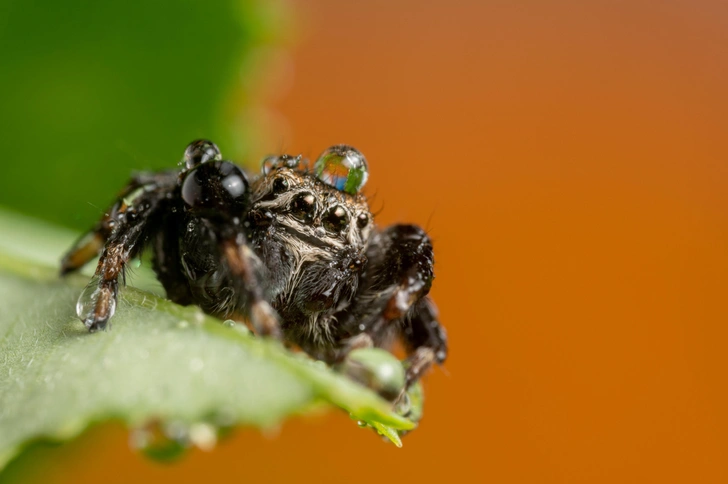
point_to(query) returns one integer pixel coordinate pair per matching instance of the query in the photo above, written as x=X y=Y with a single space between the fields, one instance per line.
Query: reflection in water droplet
x=342 y=167
x=362 y=424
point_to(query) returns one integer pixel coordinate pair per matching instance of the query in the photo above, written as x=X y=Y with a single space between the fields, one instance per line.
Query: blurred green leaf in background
x=91 y=90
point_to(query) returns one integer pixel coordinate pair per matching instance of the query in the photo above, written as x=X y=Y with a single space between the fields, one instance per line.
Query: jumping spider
x=294 y=252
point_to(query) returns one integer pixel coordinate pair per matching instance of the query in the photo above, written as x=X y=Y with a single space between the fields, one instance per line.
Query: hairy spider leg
x=247 y=277
x=397 y=280
x=131 y=220
x=90 y=244
x=425 y=339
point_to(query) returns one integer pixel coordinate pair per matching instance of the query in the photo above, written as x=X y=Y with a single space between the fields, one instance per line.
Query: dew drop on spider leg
x=87 y=301
x=343 y=168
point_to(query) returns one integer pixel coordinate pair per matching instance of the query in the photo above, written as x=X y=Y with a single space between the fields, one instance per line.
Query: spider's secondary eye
x=336 y=219
x=303 y=206
x=362 y=220
x=216 y=188
x=201 y=151
x=343 y=168
x=280 y=185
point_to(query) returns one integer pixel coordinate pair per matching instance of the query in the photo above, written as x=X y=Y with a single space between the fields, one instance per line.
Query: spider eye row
x=214 y=186
x=304 y=208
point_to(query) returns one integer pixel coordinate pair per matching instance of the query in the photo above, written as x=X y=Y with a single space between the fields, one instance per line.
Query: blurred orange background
x=570 y=161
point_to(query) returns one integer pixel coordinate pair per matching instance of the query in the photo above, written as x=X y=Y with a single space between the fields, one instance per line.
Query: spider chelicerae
x=292 y=251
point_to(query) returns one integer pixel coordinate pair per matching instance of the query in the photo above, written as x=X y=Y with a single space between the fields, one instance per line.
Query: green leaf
x=171 y=366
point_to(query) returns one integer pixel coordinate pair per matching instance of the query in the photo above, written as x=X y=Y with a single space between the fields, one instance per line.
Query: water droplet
x=404 y=405
x=343 y=168
x=155 y=442
x=229 y=323
x=272 y=162
x=89 y=299
x=203 y=436
x=362 y=424
x=376 y=369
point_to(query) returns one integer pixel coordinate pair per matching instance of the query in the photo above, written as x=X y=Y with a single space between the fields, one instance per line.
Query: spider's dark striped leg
x=131 y=221
x=90 y=244
x=248 y=283
x=398 y=277
x=424 y=338
x=227 y=278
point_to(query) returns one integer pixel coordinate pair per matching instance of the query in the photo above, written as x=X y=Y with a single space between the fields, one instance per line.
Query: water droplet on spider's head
x=342 y=167
x=273 y=162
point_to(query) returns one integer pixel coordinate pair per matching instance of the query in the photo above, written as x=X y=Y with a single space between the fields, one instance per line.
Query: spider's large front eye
x=343 y=168
x=201 y=151
x=336 y=219
x=217 y=188
x=303 y=207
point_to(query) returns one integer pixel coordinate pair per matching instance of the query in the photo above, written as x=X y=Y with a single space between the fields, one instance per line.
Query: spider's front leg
x=248 y=282
x=120 y=235
x=90 y=244
x=394 y=302
x=217 y=198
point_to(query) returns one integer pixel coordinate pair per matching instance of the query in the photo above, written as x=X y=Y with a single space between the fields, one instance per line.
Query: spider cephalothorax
x=293 y=251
